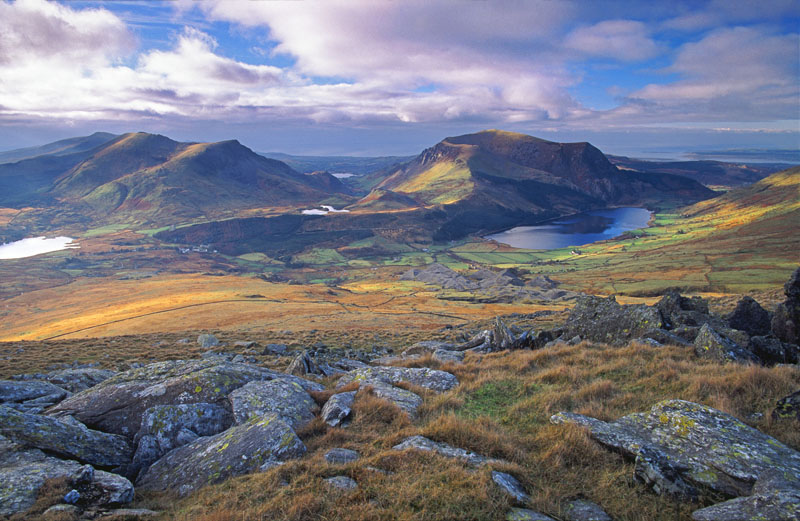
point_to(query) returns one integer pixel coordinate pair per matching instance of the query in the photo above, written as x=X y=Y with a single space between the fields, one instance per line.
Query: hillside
x=146 y=178
x=62 y=147
x=526 y=173
x=709 y=173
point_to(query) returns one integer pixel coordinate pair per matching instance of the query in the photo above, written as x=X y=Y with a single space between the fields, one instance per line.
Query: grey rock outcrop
x=445 y=356
x=710 y=344
x=448 y=451
x=511 y=486
x=774 y=497
x=582 y=510
x=207 y=340
x=342 y=483
x=30 y=395
x=70 y=441
x=525 y=514
x=285 y=398
x=118 y=404
x=407 y=401
x=750 y=317
x=786 y=320
x=261 y=443
x=79 y=379
x=438 y=381
x=303 y=365
x=705 y=447
x=166 y=427
x=338 y=407
x=604 y=320
x=340 y=456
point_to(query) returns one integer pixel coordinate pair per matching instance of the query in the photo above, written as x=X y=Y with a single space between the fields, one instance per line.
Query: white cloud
x=741 y=73
x=624 y=40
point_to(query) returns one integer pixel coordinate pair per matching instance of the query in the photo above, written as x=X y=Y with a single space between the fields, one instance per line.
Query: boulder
x=786 y=320
x=604 y=320
x=259 y=444
x=30 y=395
x=677 y=310
x=342 y=482
x=337 y=408
x=511 y=486
x=705 y=447
x=285 y=398
x=117 y=405
x=105 y=489
x=443 y=449
x=654 y=468
x=780 y=505
x=426 y=346
x=70 y=441
x=275 y=349
x=788 y=407
x=407 y=401
x=445 y=356
x=524 y=514
x=340 y=456
x=207 y=340
x=166 y=427
x=303 y=365
x=22 y=474
x=582 y=510
x=710 y=344
x=77 y=380
x=771 y=351
x=750 y=317
x=438 y=381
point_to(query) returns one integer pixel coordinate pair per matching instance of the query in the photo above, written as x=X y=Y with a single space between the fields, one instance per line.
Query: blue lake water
x=575 y=230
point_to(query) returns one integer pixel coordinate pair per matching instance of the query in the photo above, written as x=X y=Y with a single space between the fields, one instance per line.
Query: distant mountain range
x=710 y=173
x=139 y=177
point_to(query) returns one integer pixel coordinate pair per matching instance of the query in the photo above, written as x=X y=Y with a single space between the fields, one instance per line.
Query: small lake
x=325 y=211
x=35 y=246
x=575 y=230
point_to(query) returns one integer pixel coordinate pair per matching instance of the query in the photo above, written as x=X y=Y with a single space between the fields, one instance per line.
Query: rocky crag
x=183 y=424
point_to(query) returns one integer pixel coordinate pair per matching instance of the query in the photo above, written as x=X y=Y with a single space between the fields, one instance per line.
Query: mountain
x=148 y=178
x=355 y=165
x=491 y=178
x=709 y=173
x=63 y=147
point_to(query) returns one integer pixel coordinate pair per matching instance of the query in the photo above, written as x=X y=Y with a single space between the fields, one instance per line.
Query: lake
x=325 y=211
x=575 y=230
x=35 y=246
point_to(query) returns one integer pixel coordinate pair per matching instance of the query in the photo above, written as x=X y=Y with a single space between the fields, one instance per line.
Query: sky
x=391 y=77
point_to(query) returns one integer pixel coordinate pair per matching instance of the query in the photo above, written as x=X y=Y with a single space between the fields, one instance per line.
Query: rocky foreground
x=184 y=424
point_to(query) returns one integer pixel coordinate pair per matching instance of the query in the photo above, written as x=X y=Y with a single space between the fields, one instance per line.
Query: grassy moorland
x=501 y=409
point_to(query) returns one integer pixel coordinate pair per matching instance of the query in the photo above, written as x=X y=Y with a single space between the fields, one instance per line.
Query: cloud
x=739 y=73
x=624 y=40
x=39 y=30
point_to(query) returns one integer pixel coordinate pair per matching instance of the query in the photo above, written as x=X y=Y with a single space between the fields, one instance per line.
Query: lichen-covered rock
x=706 y=447
x=407 y=401
x=448 y=451
x=338 y=408
x=426 y=346
x=524 y=514
x=166 y=427
x=677 y=310
x=604 y=320
x=78 y=379
x=582 y=510
x=285 y=398
x=781 y=505
x=786 y=320
x=788 y=407
x=52 y=435
x=30 y=395
x=511 y=486
x=712 y=345
x=303 y=365
x=432 y=379
x=260 y=443
x=106 y=489
x=656 y=469
x=22 y=474
x=750 y=317
x=118 y=404
x=340 y=456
